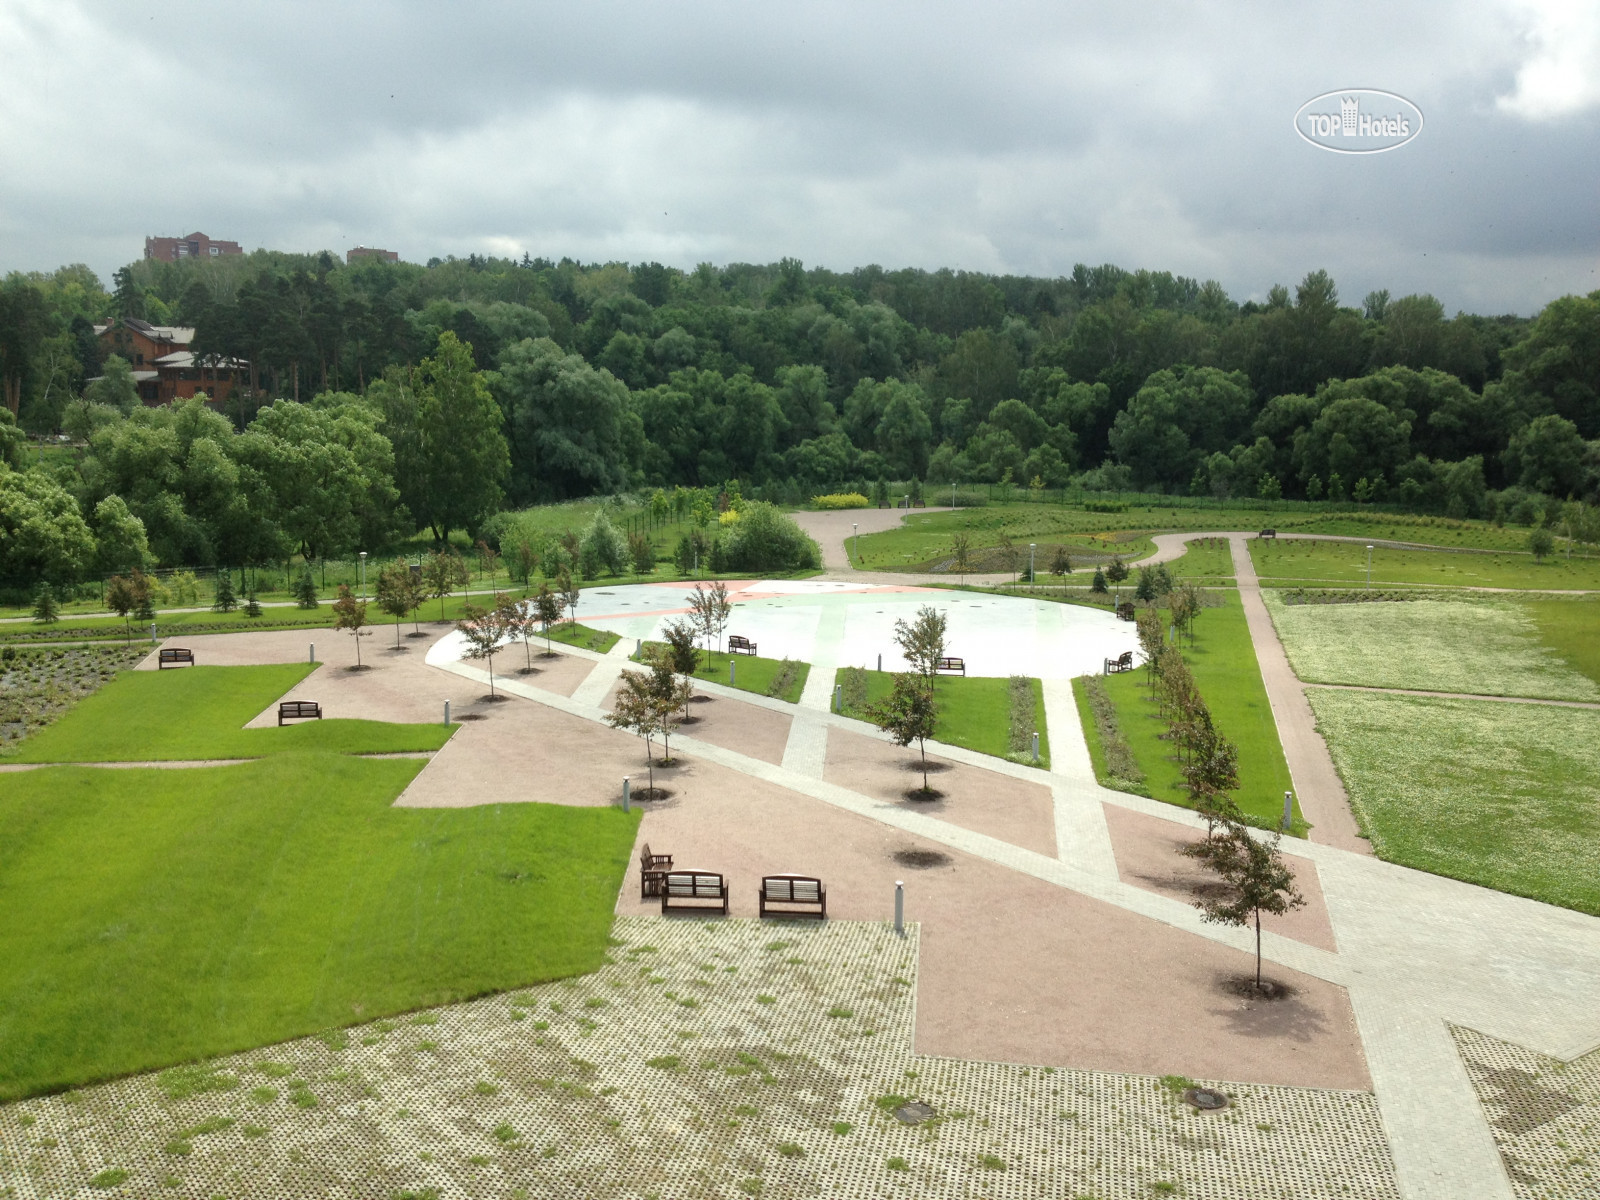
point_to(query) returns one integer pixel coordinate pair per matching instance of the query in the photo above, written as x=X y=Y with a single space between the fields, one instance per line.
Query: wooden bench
x=804 y=893
x=651 y=869
x=1125 y=611
x=171 y=656
x=740 y=645
x=298 y=710
x=1123 y=662
x=951 y=666
x=688 y=891
x=1268 y=533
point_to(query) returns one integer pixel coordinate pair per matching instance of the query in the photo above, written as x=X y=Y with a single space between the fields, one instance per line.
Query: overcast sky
x=1016 y=137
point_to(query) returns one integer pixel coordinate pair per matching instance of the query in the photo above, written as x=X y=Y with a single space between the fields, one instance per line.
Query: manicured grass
x=1205 y=560
x=1571 y=628
x=1496 y=794
x=160 y=916
x=1223 y=663
x=752 y=673
x=1346 y=562
x=1486 y=647
x=197 y=713
x=573 y=634
x=974 y=713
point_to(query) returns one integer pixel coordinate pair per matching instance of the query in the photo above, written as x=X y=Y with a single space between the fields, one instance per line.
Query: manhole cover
x=1206 y=1099
x=914 y=1113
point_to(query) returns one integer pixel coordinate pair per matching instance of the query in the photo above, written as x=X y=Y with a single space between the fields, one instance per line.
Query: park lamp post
x=855 y=541
x=363 y=576
x=1369 y=568
x=1032 y=546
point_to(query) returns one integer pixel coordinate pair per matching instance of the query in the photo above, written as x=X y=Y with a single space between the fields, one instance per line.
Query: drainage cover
x=914 y=1113
x=1206 y=1099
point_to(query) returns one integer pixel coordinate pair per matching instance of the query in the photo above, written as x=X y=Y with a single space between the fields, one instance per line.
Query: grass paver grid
x=707 y=1058
x=1544 y=1114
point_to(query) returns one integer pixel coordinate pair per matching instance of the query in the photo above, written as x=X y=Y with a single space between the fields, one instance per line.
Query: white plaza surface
x=849 y=625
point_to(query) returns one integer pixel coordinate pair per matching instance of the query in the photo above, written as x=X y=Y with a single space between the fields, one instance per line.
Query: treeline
x=600 y=378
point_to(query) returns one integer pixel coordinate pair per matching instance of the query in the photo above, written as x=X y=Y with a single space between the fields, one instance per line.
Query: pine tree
x=225 y=602
x=45 y=609
x=305 y=590
x=252 y=606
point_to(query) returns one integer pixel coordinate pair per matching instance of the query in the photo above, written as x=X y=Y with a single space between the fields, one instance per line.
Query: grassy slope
x=974 y=713
x=1223 y=663
x=197 y=712
x=156 y=916
x=1486 y=647
x=1346 y=563
x=1572 y=629
x=1496 y=794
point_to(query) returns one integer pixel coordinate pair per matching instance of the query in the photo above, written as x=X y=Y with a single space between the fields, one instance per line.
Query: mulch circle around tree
x=362 y=667
x=527 y=670
x=497 y=698
x=1244 y=986
x=924 y=795
x=1205 y=1099
x=471 y=717
x=651 y=795
x=912 y=764
x=921 y=860
x=701 y=699
x=417 y=633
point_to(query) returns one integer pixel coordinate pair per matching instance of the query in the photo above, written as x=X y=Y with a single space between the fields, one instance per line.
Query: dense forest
x=386 y=397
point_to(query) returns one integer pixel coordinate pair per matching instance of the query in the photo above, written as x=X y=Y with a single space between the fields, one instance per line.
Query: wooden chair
x=652 y=867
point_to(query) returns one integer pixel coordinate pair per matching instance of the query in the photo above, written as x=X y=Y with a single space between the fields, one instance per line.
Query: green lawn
x=160 y=916
x=1496 y=794
x=1571 y=628
x=752 y=673
x=974 y=713
x=1206 y=560
x=574 y=634
x=197 y=712
x=1486 y=647
x=1223 y=663
x=1346 y=562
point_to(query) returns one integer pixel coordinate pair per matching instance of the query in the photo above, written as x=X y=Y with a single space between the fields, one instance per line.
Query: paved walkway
x=1415 y=951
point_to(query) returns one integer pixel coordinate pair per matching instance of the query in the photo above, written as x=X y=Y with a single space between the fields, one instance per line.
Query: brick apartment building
x=195 y=245
x=368 y=252
x=163 y=365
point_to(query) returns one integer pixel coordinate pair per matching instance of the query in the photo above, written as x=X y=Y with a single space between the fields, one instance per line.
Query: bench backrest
x=298 y=706
x=1125 y=659
x=176 y=654
x=693 y=884
x=795 y=889
x=738 y=640
x=952 y=662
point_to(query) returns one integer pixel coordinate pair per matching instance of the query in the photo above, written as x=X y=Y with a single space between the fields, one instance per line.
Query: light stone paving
x=706 y=1058
x=1418 y=952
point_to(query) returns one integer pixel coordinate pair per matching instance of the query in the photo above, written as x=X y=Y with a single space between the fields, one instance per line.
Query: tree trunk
x=1258 y=949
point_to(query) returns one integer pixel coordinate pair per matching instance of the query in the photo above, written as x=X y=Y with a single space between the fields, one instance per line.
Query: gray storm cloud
x=1008 y=137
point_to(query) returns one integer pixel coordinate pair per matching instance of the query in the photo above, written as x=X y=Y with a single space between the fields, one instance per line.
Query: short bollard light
x=627 y=793
x=838 y=697
x=880 y=664
x=900 y=907
x=312 y=655
x=1288 y=810
x=1035 y=745
x=447 y=712
x=152 y=633
x=731 y=665
x=638 y=649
